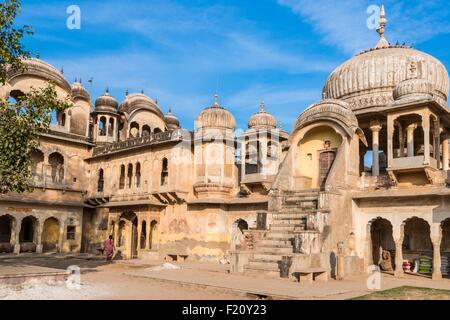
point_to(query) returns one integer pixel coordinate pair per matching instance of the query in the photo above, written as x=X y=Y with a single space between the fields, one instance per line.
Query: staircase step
x=267 y=265
x=277 y=242
x=274 y=249
x=267 y=257
x=290 y=221
x=279 y=235
x=261 y=273
x=286 y=227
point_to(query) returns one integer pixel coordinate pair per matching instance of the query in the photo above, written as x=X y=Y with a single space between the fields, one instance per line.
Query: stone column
x=390 y=133
x=40 y=228
x=445 y=152
x=139 y=232
x=61 y=237
x=16 y=240
x=437 y=147
x=375 y=126
x=410 y=139
x=401 y=139
x=399 y=258
x=437 y=274
x=147 y=231
x=116 y=233
x=426 y=138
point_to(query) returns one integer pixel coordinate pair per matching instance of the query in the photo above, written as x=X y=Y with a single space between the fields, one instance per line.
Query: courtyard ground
x=135 y=279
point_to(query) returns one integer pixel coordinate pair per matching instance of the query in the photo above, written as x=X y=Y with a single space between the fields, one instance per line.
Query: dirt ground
x=408 y=293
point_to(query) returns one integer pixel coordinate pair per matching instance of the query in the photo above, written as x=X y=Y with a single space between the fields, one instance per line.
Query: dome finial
x=107 y=91
x=216 y=100
x=261 y=106
x=382 y=43
x=126 y=92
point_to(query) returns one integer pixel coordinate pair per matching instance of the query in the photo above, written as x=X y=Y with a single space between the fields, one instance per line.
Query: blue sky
x=182 y=52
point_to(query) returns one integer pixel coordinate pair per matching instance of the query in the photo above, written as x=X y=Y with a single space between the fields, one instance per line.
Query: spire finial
x=76 y=79
x=170 y=110
x=382 y=43
x=62 y=70
x=37 y=55
x=107 y=91
x=216 y=100
x=261 y=106
x=281 y=125
x=142 y=91
x=126 y=92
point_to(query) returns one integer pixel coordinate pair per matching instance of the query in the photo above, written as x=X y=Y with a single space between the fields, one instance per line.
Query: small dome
x=106 y=103
x=215 y=117
x=136 y=101
x=79 y=91
x=171 y=121
x=262 y=119
x=413 y=88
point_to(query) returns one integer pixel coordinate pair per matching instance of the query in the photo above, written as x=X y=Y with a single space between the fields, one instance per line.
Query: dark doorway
x=326 y=159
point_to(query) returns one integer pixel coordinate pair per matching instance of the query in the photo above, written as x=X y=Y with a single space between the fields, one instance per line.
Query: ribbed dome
x=106 y=103
x=41 y=69
x=413 y=88
x=262 y=119
x=171 y=121
x=215 y=117
x=369 y=78
x=79 y=91
x=136 y=101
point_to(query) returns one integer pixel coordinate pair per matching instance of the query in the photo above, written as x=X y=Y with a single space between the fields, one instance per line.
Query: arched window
x=134 y=130
x=130 y=175
x=100 y=182
x=164 y=172
x=157 y=130
x=102 y=127
x=111 y=127
x=146 y=130
x=122 y=177
x=37 y=158
x=138 y=175
x=143 y=234
x=56 y=161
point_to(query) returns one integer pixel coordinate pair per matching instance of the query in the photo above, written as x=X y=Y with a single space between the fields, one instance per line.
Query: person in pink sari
x=108 y=247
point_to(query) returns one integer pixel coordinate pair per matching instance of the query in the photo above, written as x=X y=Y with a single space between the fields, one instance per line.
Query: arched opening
x=146 y=131
x=37 y=164
x=445 y=247
x=50 y=235
x=100 y=183
x=382 y=240
x=56 y=161
x=128 y=234
x=6 y=225
x=417 y=246
x=153 y=235
x=130 y=175
x=143 y=234
x=315 y=156
x=111 y=127
x=237 y=234
x=134 y=130
x=102 y=126
x=242 y=225
x=164 y=172
x=138 y=175
x=122 y=177
x=157 y=130
x=27 y=234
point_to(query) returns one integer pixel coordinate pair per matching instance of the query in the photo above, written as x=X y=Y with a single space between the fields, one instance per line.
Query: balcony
x=412 y=163
x=53 y=177
x=154 y=138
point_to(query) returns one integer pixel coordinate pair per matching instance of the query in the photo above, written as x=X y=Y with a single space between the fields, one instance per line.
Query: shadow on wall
x=333 y=265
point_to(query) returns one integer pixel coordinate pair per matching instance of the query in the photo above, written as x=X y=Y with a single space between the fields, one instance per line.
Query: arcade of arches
x=412 y=239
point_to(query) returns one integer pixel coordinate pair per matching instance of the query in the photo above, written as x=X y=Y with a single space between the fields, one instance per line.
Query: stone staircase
x=278 y=241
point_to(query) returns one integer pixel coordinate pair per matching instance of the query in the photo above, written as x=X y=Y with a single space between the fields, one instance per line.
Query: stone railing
x=172 y=135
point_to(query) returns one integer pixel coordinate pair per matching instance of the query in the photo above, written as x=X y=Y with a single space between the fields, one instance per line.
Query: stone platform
x=23 y=274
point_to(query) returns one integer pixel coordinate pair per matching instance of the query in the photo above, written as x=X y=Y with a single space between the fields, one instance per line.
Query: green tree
x=22 y=120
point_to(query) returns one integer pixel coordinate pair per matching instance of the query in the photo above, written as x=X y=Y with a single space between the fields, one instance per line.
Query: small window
x=71 y=231
x=164 y=172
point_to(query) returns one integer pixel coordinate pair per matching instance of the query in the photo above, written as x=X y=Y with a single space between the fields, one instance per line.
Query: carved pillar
x=139 y=232
x=437 y=146
x=410 y=139
x=147 y=234
x=426 y=138
x=375 y=126
x=390 y=133
x=445 y=152
x=116 y=233
x=437 y=274
x=398 y=239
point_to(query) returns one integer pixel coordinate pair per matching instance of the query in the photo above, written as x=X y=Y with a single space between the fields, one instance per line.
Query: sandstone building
x=127 y=169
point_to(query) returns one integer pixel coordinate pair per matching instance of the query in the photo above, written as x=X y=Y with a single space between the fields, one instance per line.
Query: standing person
x=108 y=247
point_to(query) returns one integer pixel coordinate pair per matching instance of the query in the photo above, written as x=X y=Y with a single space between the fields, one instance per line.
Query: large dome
x=368 y=79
